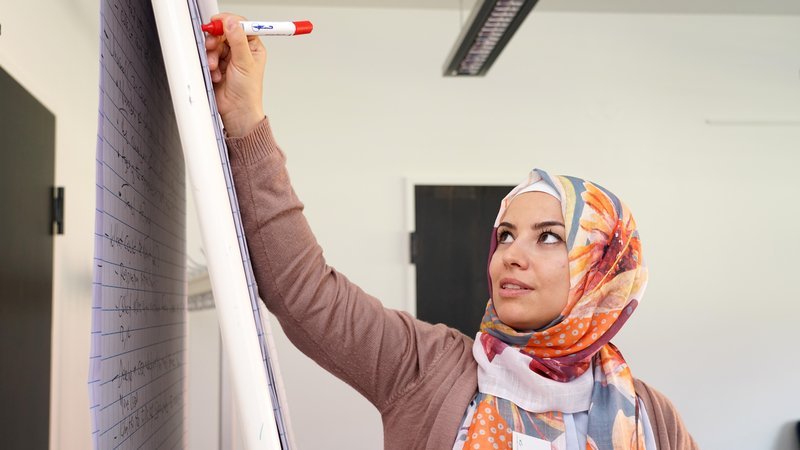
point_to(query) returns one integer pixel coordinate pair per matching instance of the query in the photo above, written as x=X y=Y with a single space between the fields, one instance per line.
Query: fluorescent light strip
x=490 y=27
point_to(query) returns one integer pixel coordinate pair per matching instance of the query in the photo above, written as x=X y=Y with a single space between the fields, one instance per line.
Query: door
x=27 y=134
x=451 y=249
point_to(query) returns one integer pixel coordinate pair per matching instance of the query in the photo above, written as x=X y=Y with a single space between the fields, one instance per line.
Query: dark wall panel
x=27 y=134
x=453 y=229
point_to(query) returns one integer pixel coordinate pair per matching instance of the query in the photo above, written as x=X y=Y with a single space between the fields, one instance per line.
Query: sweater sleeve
x=669 y=430
x=382 y=353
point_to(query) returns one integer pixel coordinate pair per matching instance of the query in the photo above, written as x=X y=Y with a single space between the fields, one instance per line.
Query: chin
x=524 y=316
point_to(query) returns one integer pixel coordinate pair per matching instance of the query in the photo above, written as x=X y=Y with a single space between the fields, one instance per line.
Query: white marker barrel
x=276 y=28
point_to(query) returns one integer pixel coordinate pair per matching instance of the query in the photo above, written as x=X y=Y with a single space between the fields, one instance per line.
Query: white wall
x=621 y=99
x=205 y=375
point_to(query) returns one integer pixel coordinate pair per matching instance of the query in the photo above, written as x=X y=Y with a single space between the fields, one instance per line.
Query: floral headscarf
x=607 y=280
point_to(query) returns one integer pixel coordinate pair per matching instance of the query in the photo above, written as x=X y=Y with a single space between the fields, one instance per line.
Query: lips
x=510 y=288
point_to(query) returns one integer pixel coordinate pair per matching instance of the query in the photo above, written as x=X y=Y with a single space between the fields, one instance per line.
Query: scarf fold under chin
x=527 y=381
x=508 y=375
x=534 y=405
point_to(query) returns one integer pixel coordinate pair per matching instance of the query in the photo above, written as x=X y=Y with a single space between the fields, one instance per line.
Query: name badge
x=525 y=442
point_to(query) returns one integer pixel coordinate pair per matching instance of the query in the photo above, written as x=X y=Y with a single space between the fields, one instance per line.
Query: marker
x=263 y=28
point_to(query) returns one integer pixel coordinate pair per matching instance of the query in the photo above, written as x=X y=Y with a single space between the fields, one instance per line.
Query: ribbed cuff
x=252 y=147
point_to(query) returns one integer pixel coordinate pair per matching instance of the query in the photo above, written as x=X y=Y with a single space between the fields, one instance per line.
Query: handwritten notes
x=138 y=372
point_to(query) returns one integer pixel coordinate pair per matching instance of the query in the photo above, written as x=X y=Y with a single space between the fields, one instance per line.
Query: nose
x=515 y=255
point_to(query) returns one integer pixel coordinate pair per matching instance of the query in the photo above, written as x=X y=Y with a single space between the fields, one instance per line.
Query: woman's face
x=530 y=267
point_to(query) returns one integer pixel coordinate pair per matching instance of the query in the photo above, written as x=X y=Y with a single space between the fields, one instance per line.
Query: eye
x=504 y=237
x=548 y=237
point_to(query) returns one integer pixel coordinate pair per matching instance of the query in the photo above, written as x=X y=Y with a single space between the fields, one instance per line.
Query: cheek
x=494 y=266
x=564 y=269
x=557 y=273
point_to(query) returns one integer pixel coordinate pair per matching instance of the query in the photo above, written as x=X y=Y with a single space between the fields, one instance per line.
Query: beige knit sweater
x=420 y=376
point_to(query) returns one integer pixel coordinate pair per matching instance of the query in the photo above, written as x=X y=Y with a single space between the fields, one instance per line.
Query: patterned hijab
x=607 y=280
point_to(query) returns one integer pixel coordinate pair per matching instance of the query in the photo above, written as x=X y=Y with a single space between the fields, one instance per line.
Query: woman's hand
x=236 y=62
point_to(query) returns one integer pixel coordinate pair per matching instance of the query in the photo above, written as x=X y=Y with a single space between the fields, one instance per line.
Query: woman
x=565 y=274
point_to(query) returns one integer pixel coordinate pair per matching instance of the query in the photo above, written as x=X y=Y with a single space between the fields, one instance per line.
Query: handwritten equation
x=139 y=320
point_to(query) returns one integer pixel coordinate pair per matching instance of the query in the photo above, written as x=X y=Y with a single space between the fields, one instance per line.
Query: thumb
x=237 y=41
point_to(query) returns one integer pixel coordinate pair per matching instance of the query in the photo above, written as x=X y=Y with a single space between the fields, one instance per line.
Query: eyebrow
x=536 y=226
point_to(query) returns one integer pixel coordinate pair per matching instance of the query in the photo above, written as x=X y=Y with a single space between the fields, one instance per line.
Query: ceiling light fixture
x=490 y=26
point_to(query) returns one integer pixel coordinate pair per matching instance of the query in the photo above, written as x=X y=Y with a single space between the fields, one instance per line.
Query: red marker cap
x=214 y=28
x=303 y=27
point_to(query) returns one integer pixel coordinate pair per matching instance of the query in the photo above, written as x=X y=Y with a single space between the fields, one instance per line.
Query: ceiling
x=761 y=7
